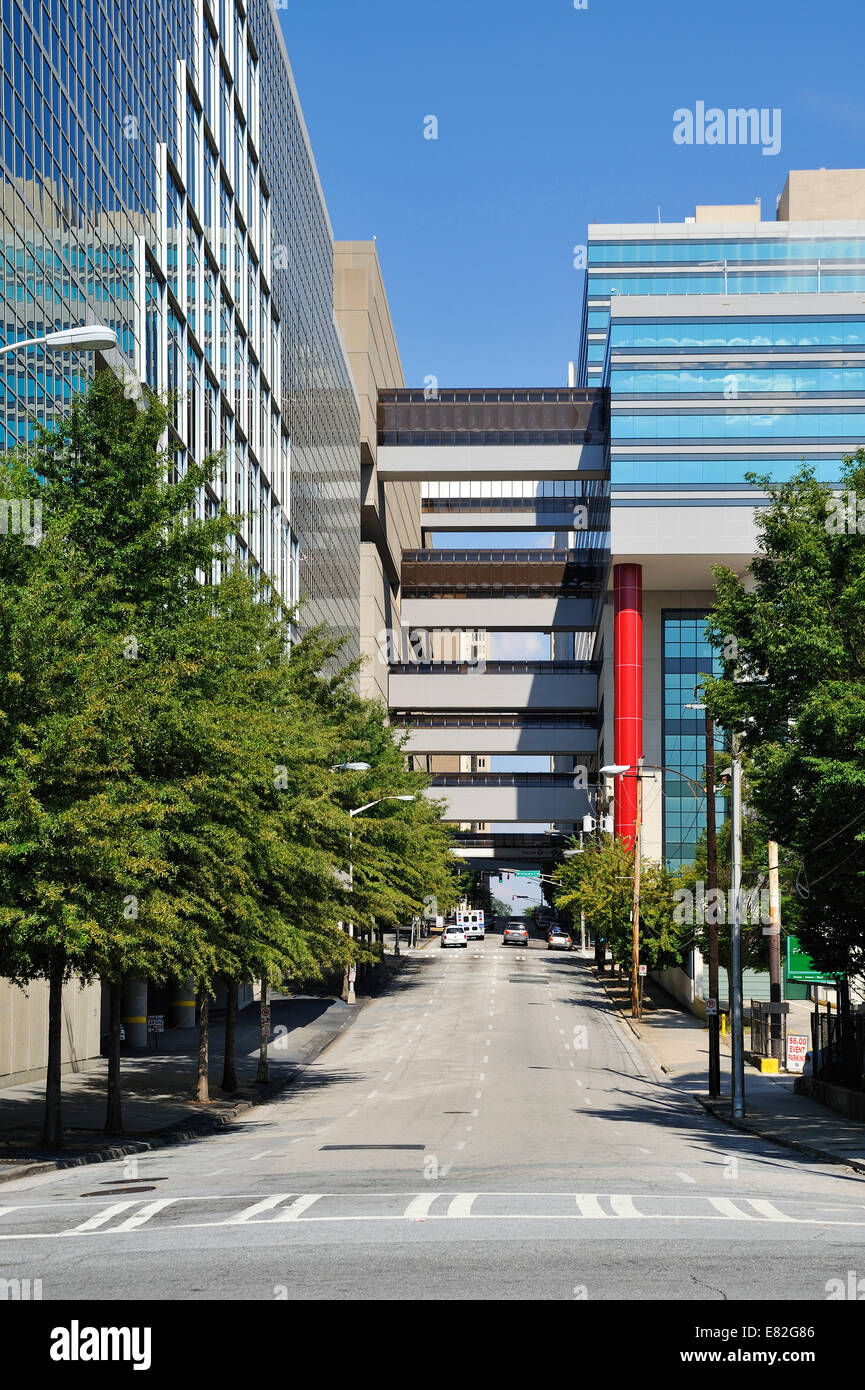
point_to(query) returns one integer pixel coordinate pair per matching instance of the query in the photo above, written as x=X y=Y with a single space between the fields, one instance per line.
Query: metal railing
x=496 y=668
x=838 y=1048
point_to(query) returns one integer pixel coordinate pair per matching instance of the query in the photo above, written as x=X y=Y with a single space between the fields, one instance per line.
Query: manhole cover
x=112 y=1182
x=328 y=1148
x=115 y=1191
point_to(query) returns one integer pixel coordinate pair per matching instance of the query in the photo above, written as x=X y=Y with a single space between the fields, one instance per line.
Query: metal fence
x=762 y=1016
x=838 y=1048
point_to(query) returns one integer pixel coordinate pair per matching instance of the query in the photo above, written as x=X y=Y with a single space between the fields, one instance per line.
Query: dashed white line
x=686 y=1177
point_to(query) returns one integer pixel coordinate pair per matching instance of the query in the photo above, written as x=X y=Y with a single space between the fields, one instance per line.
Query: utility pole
x=712 y=923
x=775 y=950
x=600 y=947
x=736 y=942
x=635 y=980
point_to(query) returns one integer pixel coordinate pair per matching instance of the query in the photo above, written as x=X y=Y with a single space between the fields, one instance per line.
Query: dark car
x=515 y=934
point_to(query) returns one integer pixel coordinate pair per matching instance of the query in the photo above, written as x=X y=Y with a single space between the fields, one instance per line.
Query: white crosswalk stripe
x=298 y=1206
x=267 y=1204
x=141 y=1218
x=419 y=1207
x=94 y=1222
x=728 y=1208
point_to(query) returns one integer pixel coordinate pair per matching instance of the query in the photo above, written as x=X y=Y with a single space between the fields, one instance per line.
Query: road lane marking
x=266 y=1204
x=478 y=1095
x=686 y=1177
x=419 y=1207
x=624 y=1206
x=299 y=1205
x=462 y=1205
x=461 y=1144
x=589 y=1206
x=94 y=1222
x=768 y=1209
x=728 y=1208
x=371 y=1094
x=141 y=1217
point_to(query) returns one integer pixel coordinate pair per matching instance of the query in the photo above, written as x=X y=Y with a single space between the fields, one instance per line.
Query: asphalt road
x=487 y=1129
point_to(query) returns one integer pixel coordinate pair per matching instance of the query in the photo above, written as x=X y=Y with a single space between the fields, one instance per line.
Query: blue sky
x=549 y=118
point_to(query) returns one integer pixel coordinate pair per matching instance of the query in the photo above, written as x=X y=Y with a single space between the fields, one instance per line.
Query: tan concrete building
x=818 y=195
x=390 y=512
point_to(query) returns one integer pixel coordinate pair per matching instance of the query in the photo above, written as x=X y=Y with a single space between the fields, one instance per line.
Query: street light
x=90 y=337
x=356 y=812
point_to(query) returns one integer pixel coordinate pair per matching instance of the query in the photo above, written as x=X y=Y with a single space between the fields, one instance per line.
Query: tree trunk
x=202 y=1092
x=229 y=1067
x=52 y=1134
x=263 y=1073
x=113 y=1109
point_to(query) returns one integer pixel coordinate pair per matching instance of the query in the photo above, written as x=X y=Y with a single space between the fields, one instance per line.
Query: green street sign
x=801 y=967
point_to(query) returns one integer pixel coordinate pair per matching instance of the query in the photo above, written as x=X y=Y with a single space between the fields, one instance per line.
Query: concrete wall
x=513 y=614
x=518 y=804
x=467 y=462
x=390 y=512
x=530 y=739
x=24 y=1029
x=436 y=690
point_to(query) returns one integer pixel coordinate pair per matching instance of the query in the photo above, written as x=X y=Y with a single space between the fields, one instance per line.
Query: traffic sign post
x=155 y=1026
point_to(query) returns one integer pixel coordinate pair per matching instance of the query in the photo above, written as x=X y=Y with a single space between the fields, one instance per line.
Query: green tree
x=600 y=883
x=793 y=685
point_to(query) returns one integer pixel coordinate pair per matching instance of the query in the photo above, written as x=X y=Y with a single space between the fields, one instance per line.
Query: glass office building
x=157 y=178
x=730 y=347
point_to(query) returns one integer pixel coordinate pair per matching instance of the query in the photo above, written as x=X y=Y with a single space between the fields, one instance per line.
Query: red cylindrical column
x=628 y=666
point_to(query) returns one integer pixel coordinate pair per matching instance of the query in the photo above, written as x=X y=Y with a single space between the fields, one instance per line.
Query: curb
x=809 y=1150
x=201 y=1128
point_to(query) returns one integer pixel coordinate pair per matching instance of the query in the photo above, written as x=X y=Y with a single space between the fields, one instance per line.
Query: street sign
x=265 y=1020
x=156 y=1023
x=797 y=1047
x=801 y=967
x=352 y=975
x=644 y=970
x=712 y=1007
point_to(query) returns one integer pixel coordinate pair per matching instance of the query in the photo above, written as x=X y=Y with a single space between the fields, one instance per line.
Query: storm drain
x=526 y=979
x=329 y=1148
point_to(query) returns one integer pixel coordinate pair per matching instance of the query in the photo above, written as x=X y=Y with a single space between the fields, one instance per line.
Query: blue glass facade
x=685 y=656
x=144 y=189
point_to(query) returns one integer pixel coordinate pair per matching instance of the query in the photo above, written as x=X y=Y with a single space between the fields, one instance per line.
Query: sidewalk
x=158 y=1108
x=678 y=1042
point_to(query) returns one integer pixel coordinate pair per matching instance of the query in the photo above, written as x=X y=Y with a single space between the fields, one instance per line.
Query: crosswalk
x=35 y=1221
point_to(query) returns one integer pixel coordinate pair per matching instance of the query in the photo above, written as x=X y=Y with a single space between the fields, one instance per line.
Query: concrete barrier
x=838 y=1098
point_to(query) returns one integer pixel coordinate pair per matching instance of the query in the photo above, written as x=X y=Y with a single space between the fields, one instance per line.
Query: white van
x=472 y=922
